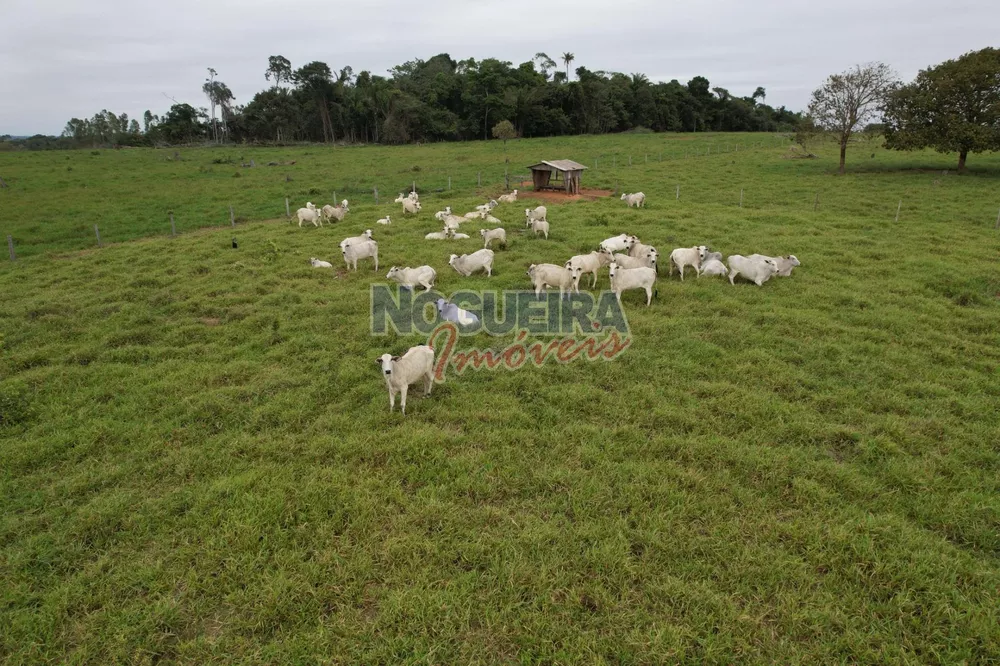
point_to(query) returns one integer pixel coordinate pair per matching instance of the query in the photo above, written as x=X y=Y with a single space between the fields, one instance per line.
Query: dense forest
x=439 y=99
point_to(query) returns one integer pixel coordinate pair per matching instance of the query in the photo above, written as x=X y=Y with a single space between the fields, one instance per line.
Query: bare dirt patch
x=552 y=196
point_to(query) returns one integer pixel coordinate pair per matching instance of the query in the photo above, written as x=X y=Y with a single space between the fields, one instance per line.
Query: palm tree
x=568 y=58
x=639 y=80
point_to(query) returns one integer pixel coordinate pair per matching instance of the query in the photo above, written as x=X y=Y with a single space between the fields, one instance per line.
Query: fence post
x=375 y=190
x=630 y=160
x=741 y=197
x=449 y=183
x=678 y=193
x=173 y=229
x=900 y=206
x=288 y=213
x=816 y=203
x=232 y=218
x=97 y=232
x=479 y=179
x=414 y=186
x=737 y=147
x=335 y=197
x=13 y=257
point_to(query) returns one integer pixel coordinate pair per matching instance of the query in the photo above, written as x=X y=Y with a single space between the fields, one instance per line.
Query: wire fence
x=607 y=171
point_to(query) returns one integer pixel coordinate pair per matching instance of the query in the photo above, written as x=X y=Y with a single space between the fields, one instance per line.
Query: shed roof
x=559 y=165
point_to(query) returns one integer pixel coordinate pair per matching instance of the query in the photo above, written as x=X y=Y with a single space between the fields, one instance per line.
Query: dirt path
x=552 y=196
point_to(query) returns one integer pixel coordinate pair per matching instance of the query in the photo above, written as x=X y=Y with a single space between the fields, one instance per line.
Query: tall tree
x=224 y=98
x=183 y=123
x=505 y=131
x=850 y=100
x=220 y=96
x=953 y=107
x=314 y=79
x=208 y=89
x=148 y=121
x=545 y=63
x=273 y=115
x=568 y=58
x=760 y=94
x=279 y=69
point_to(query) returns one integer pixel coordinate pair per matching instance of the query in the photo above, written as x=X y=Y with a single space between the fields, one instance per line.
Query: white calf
x=544 y=276
x=399 y=372
x=757 y=271
x=713 y=267
x=364 y=250
x=490 y=235
x=411 y=277
x=540 y=227
x=467 y=264
x=356 y=239
x=687 y=256
x=623 y=279
x=785 y=264
x=588 y=263
x=309 y=214
x=637 y=200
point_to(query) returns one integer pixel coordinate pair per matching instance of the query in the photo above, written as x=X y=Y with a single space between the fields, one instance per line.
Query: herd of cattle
x=631 y=265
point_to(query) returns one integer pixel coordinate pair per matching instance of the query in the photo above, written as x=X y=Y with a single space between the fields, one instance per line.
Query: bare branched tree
x=850 y=100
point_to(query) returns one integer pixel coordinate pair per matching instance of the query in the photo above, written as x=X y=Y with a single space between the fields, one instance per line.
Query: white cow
x=417 y=364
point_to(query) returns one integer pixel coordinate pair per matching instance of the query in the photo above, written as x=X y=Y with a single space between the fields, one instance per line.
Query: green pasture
x=198 y=464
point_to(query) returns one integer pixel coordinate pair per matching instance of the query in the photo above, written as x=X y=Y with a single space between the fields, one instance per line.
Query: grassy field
x=199 y=465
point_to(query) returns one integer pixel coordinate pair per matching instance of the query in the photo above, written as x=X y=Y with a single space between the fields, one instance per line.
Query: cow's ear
x=378 y=361
x=395 y=358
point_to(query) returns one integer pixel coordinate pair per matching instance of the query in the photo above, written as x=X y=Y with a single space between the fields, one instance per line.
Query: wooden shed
x=557 y=175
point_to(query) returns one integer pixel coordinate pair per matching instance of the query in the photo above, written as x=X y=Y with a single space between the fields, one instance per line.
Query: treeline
x=439 y=99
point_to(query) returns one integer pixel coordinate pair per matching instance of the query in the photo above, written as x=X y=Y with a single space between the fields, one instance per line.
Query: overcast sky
x=67 y=58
